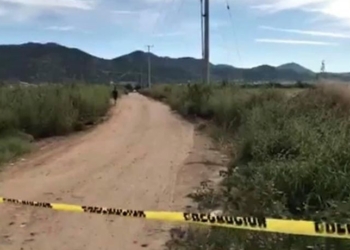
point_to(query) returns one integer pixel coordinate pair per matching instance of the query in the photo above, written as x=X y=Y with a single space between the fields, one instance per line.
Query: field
x=290 y=159
x=29 y=113
x=288 y=148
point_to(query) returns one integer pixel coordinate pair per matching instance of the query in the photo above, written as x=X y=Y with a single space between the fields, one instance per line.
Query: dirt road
x=137 y=159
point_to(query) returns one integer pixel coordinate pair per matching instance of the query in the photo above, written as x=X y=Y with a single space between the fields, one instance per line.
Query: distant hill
x=51 y=62
x=295 y=67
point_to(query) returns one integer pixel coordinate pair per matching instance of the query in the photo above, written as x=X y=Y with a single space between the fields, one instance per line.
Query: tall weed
x=43 y=110
x=291 y=160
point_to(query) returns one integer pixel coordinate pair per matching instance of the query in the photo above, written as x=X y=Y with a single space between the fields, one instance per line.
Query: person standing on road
x=115 y=94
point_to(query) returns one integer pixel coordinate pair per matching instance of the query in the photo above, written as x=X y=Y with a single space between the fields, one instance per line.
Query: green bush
x=138 y=87
x=13 y=144
x=291 y=159
x=129 y=87
x=42 y=110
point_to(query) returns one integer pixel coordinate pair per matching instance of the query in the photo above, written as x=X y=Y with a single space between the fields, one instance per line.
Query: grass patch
x=290 y=159
x=41 y=111
x=13 y=145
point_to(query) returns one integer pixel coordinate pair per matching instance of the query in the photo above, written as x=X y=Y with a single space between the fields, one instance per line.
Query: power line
x=161 y=10
x=234 y=28
x=178 y=8
x=229 y=52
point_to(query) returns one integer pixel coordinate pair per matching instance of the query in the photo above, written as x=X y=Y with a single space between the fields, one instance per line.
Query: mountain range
x=51 y=62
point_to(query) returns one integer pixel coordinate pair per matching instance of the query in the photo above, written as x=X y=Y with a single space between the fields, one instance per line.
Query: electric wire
x=228 y=7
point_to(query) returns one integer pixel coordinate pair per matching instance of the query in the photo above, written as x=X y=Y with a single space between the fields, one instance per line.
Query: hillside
x=33 y=62
x=295 y=67
x=50 y=62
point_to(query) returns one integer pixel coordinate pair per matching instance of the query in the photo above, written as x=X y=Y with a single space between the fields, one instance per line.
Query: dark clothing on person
x=115 y=95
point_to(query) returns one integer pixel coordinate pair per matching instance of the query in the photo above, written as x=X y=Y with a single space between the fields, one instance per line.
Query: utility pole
x=202 y=39
x=206 y=42
x=322 y=71
x=149 y=64
x=141 y=82
x=323 y=67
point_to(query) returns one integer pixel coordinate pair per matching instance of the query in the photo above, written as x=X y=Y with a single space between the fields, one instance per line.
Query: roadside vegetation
x=290 y=159
x=34 y=112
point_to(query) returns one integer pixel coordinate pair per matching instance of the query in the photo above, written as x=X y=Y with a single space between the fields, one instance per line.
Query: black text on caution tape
x=253 y=222
x=29 y=203
x=332 y=228
x=114 y=211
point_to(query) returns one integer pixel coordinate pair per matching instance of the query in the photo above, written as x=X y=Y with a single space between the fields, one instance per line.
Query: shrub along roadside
x=290 y=160
x=43 y=111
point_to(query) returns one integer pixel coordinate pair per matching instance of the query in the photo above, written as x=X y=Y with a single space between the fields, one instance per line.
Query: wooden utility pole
x=206 y=43
x=202 y=39
x=141 y=78
x=149 y=64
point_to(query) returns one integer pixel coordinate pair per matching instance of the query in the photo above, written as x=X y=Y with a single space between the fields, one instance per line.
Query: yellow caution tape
x=296 y=227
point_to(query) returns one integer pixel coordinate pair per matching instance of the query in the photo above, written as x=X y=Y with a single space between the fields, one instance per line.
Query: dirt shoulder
x=142 y=157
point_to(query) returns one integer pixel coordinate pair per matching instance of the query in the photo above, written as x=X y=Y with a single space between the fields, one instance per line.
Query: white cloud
x=159 y=1
x=169 y=34
x=124 y=12
x=280 y=5
x=308 y=32
x=3 y=11
x=215 y=24
x=75 y=4
x=61 y=28
x=337 y=9
x=20 y=11
x=295 y=42
x=22 y=14
x=144 y=20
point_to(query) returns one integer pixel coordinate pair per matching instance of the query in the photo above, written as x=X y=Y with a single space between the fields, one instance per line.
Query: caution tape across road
x=294 y=227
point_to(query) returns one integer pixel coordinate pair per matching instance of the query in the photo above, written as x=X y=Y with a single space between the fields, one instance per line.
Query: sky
x=247 y=34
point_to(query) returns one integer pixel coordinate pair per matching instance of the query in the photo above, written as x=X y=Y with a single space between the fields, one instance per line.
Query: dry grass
x=340 y=90
x=291 y=159
x=44 y=111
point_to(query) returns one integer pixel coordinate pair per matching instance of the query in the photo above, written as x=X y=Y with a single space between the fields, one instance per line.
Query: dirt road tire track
x=136 y=159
